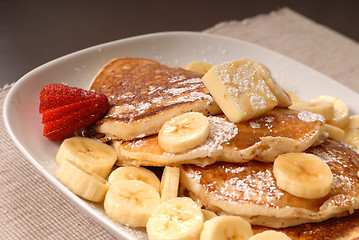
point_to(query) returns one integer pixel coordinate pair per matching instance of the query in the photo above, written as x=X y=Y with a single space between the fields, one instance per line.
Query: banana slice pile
x=84 y=166
x=137 y=197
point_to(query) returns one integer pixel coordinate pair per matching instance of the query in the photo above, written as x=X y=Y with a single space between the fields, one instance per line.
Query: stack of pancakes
x=231 y=172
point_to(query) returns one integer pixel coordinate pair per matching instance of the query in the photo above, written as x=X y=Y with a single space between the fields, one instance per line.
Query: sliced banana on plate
x=87 y=185
x=334 y=132
x=351 y=135
x=303 y=175
x=341 y=111
x=89 y=153
x=294 y=97
x=131 y=202
x=283 y=98
x=169 y=183
x=207 y=214
x=198 y=66
x=270 y=235
x=226 y=227
x=177 y=219
x=135 y=173
x=326 y=109
x=353 y=123
x=184 y=132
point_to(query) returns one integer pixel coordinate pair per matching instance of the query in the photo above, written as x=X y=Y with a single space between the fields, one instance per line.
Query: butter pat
x=239 y=90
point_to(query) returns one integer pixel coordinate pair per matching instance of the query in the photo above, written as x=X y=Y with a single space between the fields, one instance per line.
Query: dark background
x=35 y=32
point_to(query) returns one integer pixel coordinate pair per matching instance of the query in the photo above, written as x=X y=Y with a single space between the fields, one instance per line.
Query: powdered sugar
x=310 y=117
x=244 y=86
x=179 y=89
x=258 y=186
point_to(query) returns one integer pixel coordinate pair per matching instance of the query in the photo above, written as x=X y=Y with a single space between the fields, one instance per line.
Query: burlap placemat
x=30 y=208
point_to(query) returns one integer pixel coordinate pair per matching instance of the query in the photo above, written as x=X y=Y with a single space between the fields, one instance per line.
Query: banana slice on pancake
x=183 y=132
x=303 y=175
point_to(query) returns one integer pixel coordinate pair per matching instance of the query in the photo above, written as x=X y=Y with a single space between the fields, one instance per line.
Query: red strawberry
x=66 y=109
x=57 y=95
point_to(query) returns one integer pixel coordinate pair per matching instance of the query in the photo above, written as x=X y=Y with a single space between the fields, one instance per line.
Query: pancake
x=250 y=190
x=344 y=228
x=278 y=131
x=143 y=94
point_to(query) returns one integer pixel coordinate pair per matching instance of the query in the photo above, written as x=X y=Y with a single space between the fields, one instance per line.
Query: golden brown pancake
x=343 y=228
x=278 y=131
x=250 y=190
x=143 y=94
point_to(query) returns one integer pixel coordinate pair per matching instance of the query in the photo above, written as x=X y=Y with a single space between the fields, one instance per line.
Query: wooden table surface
x=37 y=31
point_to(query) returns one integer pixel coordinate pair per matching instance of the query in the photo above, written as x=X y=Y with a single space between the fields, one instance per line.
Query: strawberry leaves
x=66 y=109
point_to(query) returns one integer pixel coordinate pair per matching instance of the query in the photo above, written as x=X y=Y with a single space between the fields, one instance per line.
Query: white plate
x=23 y=121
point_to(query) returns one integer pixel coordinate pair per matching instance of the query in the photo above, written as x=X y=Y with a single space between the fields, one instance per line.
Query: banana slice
x=169 y=183
x=135 y=173
x=282 y=97
x=270 y=235
x=353 y=123
x=226 y=227
x=341 y=111
x=351 y=135
x=334 y=132
x=87 y=185
x=183 y=132
x=326 y=109
x=294 y=97
x=198 y=66
x=176 y=219
x=90 y=154
x=207 y=214
x=303 y=175
x=131 y=202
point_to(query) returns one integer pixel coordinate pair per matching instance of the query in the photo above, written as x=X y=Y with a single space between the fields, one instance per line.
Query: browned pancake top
x=138 y=87
x=254 y=183
x=279 y=122
x=335 y=228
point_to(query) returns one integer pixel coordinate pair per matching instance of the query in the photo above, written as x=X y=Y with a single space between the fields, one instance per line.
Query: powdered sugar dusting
x=221 y=131
x=242 y=81
x=179 y=89
x=257 y=186
x=310 y=117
